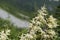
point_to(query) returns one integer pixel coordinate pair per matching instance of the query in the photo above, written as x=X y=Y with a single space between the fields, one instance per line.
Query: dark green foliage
x=13 y=7
x=57 y=15
x=57 y=12
x=25 y=7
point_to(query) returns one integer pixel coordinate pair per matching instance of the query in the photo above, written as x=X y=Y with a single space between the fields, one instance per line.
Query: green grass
x=15 y=32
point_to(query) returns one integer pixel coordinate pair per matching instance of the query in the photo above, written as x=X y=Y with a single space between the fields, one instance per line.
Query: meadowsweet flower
x=37 y=18
x=39 y=27
x=42 y=11
x=33 y=21
x=4 y=34
x=46 y=36
x=52 y=23
x=27 y=37
x=51 y=32
x=8 y=32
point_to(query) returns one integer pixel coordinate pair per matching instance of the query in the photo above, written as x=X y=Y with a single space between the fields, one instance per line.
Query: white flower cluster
x=27 y=37
x=52 y=22
x=41 y=26
x=4 y=34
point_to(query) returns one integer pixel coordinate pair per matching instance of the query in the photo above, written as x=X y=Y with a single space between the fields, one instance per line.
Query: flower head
x=4 y=34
